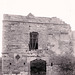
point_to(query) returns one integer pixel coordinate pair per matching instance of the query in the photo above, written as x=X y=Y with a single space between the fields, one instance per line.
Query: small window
x=33 y=43
x=24 y=63
x=51 y=64
x=10 y=63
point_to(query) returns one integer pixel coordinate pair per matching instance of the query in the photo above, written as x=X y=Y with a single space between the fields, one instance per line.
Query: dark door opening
x=38 y=67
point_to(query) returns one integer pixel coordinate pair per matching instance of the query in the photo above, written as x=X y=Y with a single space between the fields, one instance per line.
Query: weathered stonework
x=55 y=38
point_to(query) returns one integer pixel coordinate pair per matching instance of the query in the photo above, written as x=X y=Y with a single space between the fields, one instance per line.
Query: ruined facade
x=31 y=44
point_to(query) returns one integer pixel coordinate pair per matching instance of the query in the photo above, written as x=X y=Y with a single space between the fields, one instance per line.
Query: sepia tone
x=36 y=46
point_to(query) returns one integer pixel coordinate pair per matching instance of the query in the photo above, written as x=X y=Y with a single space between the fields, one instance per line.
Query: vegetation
x=67 y=65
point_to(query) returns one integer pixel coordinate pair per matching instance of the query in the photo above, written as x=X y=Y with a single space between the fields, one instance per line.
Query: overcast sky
x=63 y=9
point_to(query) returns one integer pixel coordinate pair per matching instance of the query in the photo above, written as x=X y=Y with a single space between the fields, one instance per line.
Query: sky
x=63 y=9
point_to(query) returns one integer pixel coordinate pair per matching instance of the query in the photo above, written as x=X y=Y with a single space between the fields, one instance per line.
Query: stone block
x=29 y=59
x=5 y=74
x=49 y=68
x=64 y=37
x=24 y=73
x=14 y=74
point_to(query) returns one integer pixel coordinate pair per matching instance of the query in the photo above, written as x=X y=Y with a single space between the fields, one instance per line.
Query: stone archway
x=38 y=67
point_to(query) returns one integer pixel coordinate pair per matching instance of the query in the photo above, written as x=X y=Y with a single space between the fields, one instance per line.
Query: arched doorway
x=38 y=67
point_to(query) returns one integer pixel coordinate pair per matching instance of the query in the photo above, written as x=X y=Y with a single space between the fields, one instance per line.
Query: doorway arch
x=38 y=67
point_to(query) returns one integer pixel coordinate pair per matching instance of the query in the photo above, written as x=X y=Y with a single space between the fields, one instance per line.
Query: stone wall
x=0 y=66
x=54 y=38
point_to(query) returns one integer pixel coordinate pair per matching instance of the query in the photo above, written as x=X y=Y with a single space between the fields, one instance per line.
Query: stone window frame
x=33 y=43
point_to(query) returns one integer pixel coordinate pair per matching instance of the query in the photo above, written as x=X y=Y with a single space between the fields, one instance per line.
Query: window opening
x=33 y=44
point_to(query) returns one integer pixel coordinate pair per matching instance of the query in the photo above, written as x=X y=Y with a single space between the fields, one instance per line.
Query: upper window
x=33 y=43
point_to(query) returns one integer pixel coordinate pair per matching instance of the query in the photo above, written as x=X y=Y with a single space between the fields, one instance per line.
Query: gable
x=33 y=19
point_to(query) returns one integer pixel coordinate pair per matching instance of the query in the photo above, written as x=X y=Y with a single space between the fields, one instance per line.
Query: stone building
x=31 y=44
